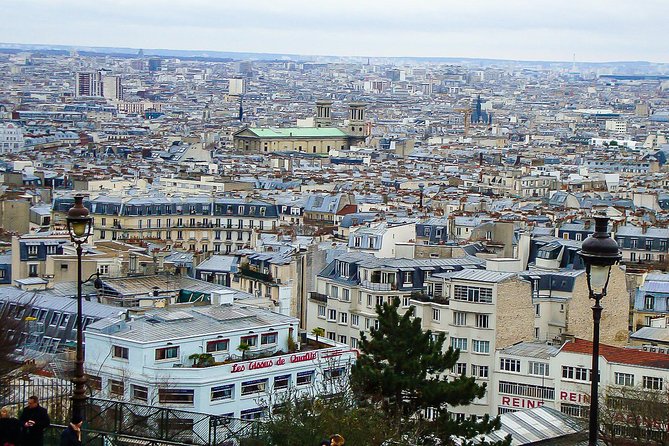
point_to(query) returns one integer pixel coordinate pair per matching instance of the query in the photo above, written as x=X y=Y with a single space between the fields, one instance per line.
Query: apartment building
x=651 y=300
x=381 y=239
x=529 y=375
x=643 y=243
x=190 y=358
x=221 y=225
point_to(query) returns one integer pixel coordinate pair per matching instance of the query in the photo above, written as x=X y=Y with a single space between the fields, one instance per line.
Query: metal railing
x=112 y=422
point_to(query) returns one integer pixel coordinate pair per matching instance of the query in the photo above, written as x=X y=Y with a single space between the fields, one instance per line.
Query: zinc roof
x=299 y=132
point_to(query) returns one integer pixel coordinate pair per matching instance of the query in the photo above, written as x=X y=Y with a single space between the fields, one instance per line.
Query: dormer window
x=343 y=269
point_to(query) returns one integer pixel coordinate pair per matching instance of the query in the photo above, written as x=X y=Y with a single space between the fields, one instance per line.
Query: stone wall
x=515 y=313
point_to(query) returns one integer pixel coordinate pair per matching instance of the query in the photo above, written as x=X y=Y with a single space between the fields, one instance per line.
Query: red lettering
x=530 y=404
x=515 y=402
x=572 y=397
x=281 y=361
x=540 y=403
x=261 y=364
x=506 y=401
x=237 y=368
x=563 y=395
x=310 y=356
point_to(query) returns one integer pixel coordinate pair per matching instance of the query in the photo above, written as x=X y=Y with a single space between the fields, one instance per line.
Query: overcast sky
x=593 y=30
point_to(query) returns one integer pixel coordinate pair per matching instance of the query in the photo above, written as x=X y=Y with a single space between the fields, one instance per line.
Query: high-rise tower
x=356 y=118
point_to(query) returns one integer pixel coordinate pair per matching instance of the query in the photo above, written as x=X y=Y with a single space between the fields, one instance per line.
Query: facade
x=643 y=243
x=222 y=225
x=11 y=138
x=651 y=300
x=112 y=88
x=88 y=83
x=318 y=140
x=381 y=239
x=531 y=375
x=153 y=359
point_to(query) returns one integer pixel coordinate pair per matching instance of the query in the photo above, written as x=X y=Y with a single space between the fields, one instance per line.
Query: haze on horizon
x=593 y=30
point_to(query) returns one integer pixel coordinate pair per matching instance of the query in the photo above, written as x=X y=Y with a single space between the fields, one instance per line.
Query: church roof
x=298 y=132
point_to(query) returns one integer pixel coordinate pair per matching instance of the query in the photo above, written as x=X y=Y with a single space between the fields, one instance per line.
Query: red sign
x=574 y=397
x=522 y=403
x=309 y=356
x=270 y=362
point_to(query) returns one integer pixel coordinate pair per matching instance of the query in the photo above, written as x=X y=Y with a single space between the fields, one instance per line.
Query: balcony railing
x=318 y=297
x=248 y=272
x=378 y=286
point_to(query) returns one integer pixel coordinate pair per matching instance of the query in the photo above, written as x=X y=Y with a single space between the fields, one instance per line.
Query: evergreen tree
x=402 y=372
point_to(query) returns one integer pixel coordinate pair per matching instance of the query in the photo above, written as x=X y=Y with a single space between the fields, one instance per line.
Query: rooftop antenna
x=573 y=63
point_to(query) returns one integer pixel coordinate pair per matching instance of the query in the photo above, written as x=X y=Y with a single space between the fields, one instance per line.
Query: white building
x=236 y=87
x=112 y=88
x=531 y=375
x=150 y=359
x=11 y=138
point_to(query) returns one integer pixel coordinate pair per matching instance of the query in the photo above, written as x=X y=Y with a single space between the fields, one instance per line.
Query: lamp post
x=599 y=252
x=80 y=226
x=421 y=186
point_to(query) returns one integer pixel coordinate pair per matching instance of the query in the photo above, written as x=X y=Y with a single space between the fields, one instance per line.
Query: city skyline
x=596 y=31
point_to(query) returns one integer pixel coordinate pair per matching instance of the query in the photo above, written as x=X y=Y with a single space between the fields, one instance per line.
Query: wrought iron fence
x=112 y=422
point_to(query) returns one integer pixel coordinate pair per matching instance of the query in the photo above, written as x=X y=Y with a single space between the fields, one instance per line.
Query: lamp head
x=599 y=253
x=79 y=222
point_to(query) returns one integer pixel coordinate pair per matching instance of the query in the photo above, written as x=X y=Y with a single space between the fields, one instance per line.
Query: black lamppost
x=599 y=252
x=80 y=227
x=421 y=186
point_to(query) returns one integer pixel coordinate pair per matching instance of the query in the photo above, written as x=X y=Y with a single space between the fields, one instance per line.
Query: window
x=480 y=371
x=538 y=368
x=334 y=292
x=304 y=378
x=436 y=314
x=64 y=320
x=355 y=320
x=167 y=353
x=219 y=345
x=472 y=294
x=624 y=379
x=268 y=338
x=55 y=317
x=342 y=339
x=459 y=343
x=354 y=342
x=532 y=391
x=251 y=414
x=335 y=373
x=482 y=321
x=32 y=270
x=281 y=382
x=649 y=302
x=461 y=368
x=32 y=250
x=332 y=315
x=251 y=341
x=332 y=335
x=509 y=365
x=255 y=386
x=321 y=311
x=116 y=387
x=652 y=382
x=343 y=318
x=119 y=352
x=459 y=318
x=408 y=277
x=537 y=310
x=139 y=393
x=346 y=295
x=222 y=392
x=576 y=373
x=176 y=396
x=94 y=382
x=480 y=346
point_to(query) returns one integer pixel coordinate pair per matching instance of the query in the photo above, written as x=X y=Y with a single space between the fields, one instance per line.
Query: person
x=10 y=429
x=71 y=436
x=337 y=440
x=34 y=419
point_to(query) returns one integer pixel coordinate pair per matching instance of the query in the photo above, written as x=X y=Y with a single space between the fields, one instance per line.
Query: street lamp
x=80 y=226
x=421 y=186
x=599 y=252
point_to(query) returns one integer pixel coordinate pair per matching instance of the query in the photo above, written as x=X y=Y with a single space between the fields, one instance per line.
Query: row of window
x=214 y=346
x=217 y=393
x=534 y=368
x=472 y=294
x=478 y=346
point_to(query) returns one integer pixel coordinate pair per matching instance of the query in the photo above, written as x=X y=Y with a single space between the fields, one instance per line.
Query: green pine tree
x=402 y=372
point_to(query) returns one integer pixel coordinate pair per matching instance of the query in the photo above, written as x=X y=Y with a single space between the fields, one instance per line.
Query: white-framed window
x=332 y=315
x=345 y=294
x=343 y=317
x=355 y=320
x=480 y=371
x=538 y=368
x=281 y=382
x=482 y=321
x=652 y=383
x=509 y=365
x=459 y=318
x=624 y=379
x=268 y=338
x=139 y=393
x=459 y=343
x=342 y=339
x=480 y=346
x=218 y=345
x=304 y=378
x=251 y=341
x=472 y=294
x=334 y=292
x=255 y=386
x=321 y=311
x=436 y=314
x=116 y=387
x=225 y=392
x=461 y=368
x=575 y=373
x=354 y=342
x=165 y=353
x=119 y=352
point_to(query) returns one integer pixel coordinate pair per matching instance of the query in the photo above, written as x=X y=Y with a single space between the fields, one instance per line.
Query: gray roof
x=219 y=263
x=167 y=324
x=636 y=231
x=531 y=349
x=479 y=275
x=369 y=261
x=651 y=334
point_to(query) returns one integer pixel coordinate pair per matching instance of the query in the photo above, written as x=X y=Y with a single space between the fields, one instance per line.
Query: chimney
x=644 y=227
x=222 y=297
x=587 y=224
